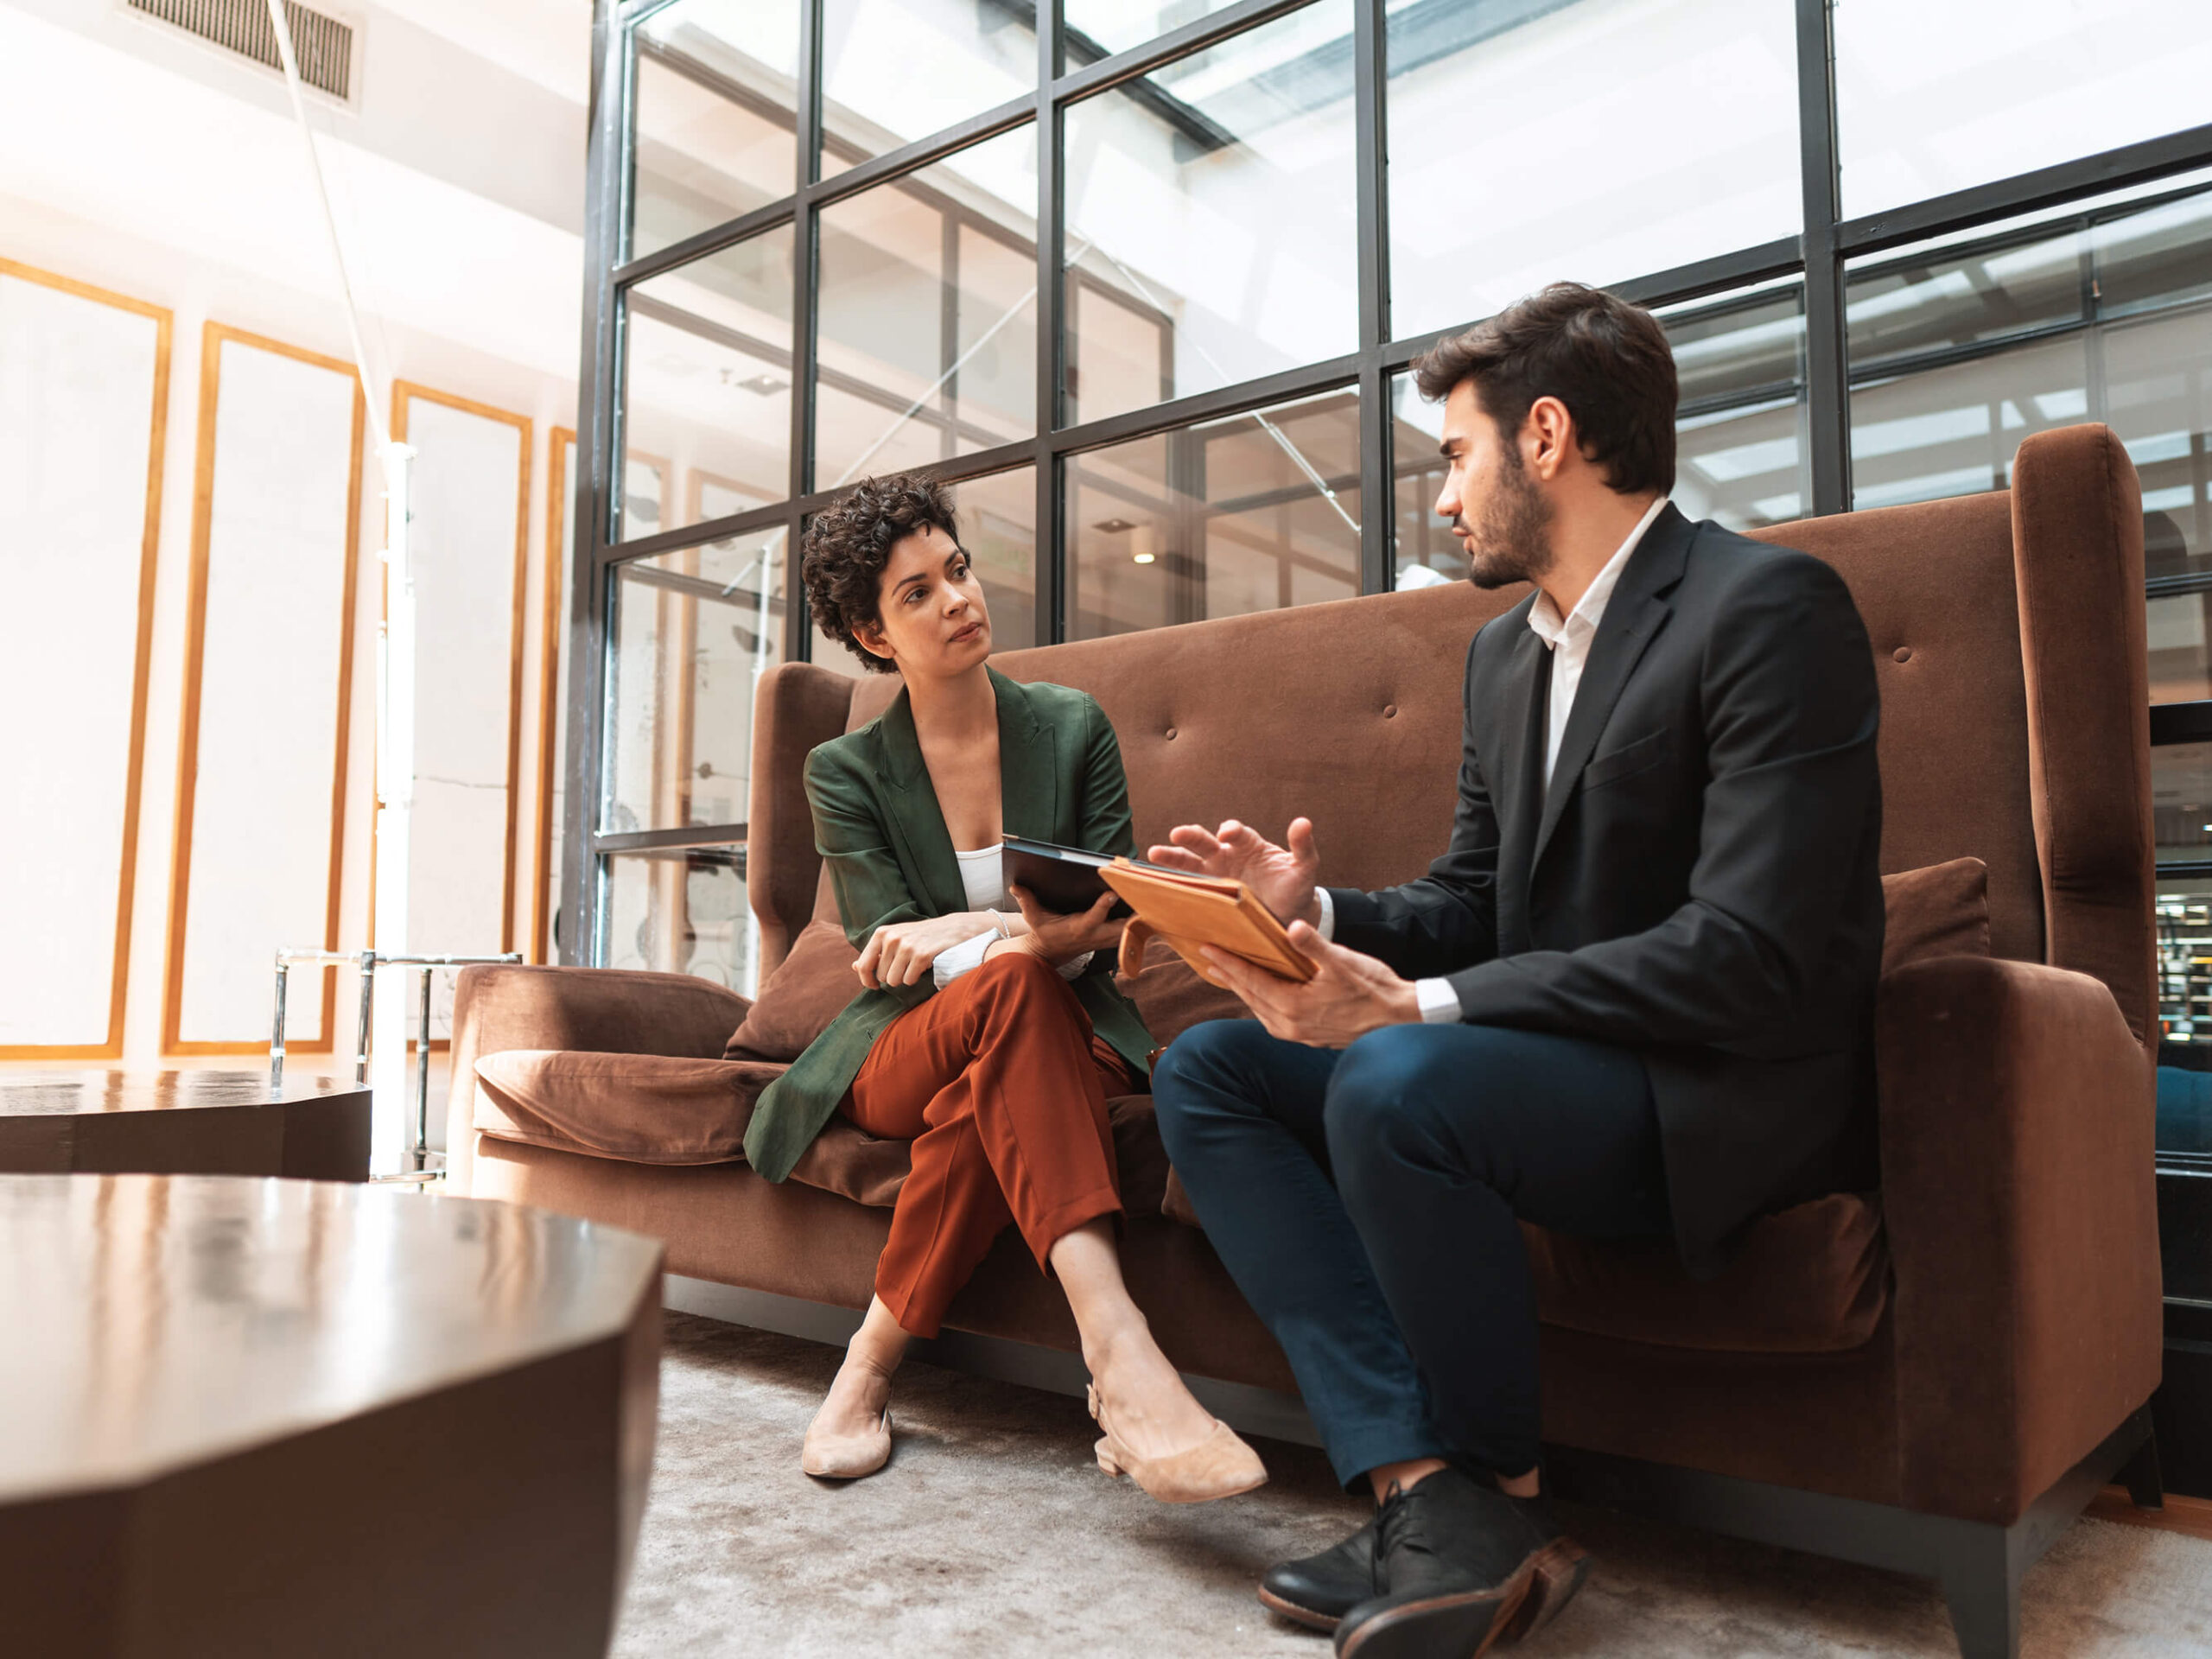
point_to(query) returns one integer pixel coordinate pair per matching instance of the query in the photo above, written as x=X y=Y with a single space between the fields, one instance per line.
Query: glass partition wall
x=1144 y=280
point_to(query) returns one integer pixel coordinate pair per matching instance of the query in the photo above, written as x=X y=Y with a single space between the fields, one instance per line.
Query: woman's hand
x=900 y=953
x=1063 y=939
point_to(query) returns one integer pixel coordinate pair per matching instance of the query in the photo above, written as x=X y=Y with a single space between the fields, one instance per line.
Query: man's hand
x=900 y=953
x=1060 y=938
x=1349 y=995
x=1282 y=878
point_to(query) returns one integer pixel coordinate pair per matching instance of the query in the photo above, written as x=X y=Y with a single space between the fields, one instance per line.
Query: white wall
x=150 y=165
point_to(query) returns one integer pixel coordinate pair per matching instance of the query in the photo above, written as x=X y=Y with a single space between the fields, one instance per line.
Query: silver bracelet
x=999 y=922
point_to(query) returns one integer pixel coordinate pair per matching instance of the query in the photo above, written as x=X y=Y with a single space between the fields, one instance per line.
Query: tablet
x=1063 y=880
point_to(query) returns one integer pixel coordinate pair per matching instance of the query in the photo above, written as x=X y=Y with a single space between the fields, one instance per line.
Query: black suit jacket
x=1698 y=883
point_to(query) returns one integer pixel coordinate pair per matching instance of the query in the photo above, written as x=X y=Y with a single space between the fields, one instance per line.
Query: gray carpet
x=993 y=1532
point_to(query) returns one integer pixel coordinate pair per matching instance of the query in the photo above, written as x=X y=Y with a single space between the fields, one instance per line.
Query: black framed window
x=1145 y=279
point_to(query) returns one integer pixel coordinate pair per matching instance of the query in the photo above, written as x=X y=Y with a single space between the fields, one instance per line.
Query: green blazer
x=879 y=829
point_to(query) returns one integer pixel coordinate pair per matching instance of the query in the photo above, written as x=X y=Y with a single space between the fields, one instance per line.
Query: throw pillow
x=1942 y=910
x=805 y=994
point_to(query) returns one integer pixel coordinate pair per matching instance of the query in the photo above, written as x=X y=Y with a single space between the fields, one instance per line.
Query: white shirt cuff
x=1326 y=927
x=1439 y=1004
x=968 y=956
x=961 y=958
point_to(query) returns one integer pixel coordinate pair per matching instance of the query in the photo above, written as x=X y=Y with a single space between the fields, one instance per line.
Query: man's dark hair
x=849 y=545
x=1607 y=361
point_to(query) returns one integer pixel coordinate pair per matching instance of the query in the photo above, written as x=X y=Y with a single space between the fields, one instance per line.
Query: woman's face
x=934 y=620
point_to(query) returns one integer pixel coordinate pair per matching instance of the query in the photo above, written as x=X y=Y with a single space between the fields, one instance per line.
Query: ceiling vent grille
x=324 y=46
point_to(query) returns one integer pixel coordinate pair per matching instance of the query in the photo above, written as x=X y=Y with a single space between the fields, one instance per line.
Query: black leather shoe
x=1317 y=1591
x=1456 y=1564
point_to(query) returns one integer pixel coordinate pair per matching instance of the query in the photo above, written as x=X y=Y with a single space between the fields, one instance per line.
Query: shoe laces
x=1398 y=1525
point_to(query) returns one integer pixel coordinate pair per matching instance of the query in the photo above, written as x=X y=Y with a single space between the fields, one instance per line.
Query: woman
x=988 y=1037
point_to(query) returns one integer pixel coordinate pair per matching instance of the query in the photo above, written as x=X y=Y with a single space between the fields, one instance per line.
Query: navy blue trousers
x=1367 y=1201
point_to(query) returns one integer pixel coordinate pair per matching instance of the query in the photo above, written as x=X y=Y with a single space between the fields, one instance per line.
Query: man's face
x=1502 y=518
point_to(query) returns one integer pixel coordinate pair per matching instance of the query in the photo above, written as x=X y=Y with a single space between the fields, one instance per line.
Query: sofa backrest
x=2008 y=632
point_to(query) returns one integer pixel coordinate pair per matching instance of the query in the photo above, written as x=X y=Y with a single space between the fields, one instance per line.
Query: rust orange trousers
x=1001 y=1087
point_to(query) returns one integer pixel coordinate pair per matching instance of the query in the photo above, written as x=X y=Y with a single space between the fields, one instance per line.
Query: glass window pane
x=2110 y=311
x=1097 y=28
x=927 y=321
x=681 y=910
x=2157 y=397
x=998 y=527
x=1898 y=309
x=2180 y=666
x=1210 y=232
x=1427 y=551
x=694 y=630
x=1952 y=430
x=893 y=71
x=1932 y=99
x=716 y=94
x=1216 y=520
x=2181 y=803
x=707 y=382
x=1669 y=135
x=1739 y=452
x=2155 y=257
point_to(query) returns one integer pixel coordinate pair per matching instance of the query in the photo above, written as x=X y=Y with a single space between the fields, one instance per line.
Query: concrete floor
x=993 y=1532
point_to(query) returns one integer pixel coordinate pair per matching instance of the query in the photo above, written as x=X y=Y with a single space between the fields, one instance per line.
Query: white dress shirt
x=1569 y=644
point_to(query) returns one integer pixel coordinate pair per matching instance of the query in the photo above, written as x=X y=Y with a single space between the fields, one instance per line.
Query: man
x=1633 y=997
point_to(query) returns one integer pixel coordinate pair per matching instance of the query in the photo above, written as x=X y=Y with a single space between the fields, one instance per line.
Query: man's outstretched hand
x=1282 y=878
x=1349 y=995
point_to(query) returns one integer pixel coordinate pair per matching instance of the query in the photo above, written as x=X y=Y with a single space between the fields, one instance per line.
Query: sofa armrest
x=598 y=1010
x=2017 y=1137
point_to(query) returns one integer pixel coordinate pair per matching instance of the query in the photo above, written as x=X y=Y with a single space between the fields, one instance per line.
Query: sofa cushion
x=1939 y=909
x=642 y=1109
x=806 y=991
x=1809 y=1279
x=846 y=1160
x=853 y=1163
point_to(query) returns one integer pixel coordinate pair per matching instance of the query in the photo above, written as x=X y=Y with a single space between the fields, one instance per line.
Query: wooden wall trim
x=214 y=336
x=149 y=561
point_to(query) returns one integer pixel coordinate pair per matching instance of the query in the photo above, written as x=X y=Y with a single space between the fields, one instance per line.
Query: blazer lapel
x=1634 y=615
x=1518 y=795
x=914 y=813
x=1028 y=773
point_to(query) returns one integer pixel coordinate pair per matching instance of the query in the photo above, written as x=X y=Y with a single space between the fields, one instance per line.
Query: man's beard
x=1513 y=540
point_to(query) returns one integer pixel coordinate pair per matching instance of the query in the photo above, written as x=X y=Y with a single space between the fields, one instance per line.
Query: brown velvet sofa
x=1933 y=1378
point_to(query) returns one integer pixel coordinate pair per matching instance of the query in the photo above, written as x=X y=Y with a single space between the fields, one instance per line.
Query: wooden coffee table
x=269 y=1417
x=183 y=1123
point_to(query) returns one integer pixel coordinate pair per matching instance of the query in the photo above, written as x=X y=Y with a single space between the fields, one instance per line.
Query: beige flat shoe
x=1220 y=1465
x=846 y=1457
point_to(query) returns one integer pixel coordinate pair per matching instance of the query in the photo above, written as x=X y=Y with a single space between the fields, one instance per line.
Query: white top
x=1569 y=641
x=982 y=879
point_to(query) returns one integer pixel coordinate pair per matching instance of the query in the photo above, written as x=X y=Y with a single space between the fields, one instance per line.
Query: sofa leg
x=2141 y=1476
x=1981 y=1572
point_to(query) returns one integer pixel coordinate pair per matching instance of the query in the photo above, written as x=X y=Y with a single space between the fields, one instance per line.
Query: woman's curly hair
x=848 y=545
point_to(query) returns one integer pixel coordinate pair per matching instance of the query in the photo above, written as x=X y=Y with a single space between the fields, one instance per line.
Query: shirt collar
x=1590 y=609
